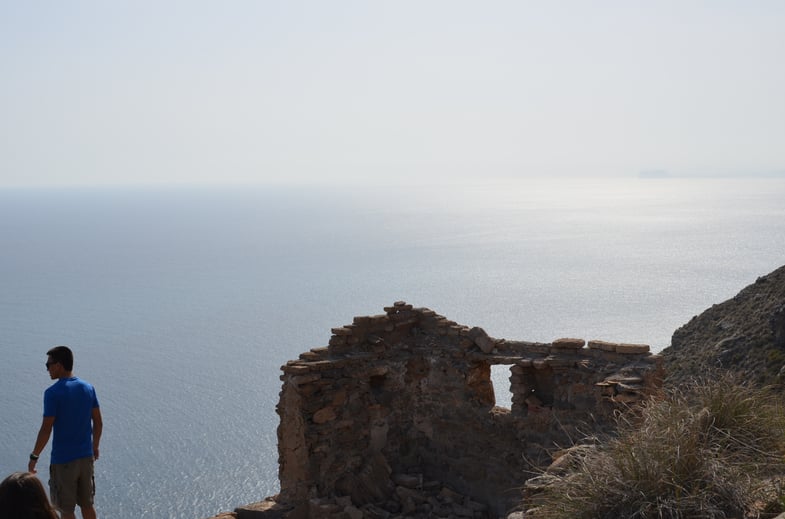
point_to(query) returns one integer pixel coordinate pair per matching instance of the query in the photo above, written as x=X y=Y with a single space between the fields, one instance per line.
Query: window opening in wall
x=500 y=378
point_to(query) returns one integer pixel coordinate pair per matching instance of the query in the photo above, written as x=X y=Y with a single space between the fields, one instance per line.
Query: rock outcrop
x=396 y=417
x=743 y=335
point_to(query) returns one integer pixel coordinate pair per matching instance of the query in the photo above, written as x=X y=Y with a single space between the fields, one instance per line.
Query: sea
x=181 y=303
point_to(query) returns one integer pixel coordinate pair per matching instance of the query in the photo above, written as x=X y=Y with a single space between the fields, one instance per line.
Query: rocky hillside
x=745 y=335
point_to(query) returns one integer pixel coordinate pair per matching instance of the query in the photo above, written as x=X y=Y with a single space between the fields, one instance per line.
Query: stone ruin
x=397 y=417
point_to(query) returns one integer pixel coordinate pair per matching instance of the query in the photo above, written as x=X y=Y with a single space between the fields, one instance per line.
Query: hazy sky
x=104 y=92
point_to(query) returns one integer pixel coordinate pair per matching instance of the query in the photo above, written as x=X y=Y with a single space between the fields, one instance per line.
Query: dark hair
x=22 y=496
x=63 y=355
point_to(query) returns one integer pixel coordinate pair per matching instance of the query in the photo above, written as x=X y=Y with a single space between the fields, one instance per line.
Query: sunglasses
x=50 y=364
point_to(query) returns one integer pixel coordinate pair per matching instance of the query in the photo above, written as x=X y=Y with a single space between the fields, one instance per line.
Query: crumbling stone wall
x=403 y=399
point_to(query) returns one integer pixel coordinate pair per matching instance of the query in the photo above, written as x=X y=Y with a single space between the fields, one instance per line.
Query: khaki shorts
x=72 y=484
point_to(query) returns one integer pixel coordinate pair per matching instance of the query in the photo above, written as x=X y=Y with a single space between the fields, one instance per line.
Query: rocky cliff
x=744 y=335
x=396 y=418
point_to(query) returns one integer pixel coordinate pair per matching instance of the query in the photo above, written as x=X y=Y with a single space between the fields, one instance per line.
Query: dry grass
x=711 y=450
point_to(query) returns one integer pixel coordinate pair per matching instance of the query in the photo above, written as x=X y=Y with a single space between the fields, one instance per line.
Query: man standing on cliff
x=71 y=410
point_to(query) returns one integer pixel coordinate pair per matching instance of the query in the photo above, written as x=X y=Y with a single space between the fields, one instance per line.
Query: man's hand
x=31 y=466
x=95 y=453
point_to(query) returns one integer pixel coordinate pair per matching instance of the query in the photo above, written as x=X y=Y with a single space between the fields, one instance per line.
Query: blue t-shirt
x=71 y=402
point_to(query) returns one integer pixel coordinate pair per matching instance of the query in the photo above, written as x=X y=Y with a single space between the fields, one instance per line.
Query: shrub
x=709 y=450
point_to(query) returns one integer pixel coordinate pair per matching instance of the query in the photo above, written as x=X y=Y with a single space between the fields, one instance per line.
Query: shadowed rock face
x=744 y=335
x=777 y=322
x=397 y=416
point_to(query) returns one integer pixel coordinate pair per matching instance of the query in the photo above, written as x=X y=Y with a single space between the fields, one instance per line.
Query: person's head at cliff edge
x=22 y=496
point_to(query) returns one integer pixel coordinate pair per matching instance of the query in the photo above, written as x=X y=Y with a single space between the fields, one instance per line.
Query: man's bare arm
x=40 y=442
x=98 y=427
